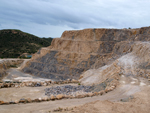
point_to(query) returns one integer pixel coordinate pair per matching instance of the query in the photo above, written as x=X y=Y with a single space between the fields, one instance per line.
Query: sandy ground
x=110 y=100
x=139 y=104
x=16 y=75
x=12 y=94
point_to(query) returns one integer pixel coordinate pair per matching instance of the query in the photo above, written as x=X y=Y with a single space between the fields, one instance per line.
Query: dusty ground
x=110 y=102
x=131 y=96
x=12 y=94
x=16 y=75
x=140 y=104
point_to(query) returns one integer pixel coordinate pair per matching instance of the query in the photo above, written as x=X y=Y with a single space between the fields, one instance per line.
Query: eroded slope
x=77 y=51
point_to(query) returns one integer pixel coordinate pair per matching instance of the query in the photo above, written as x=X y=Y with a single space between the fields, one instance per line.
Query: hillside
x=15 y=42
x=78 y=51
x=111 y=68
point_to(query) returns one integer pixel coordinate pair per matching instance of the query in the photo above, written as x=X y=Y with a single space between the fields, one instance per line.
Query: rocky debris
x=12 y=102
x=101 y=92
x=29 y=100
x=37 y=100
x=34 y=84
x=45 y=99
x=53 y=97
x=64 y=92
x=72 y=95
x=1 y=102
x=60 y=96
x=22 y=100
x=68 y=90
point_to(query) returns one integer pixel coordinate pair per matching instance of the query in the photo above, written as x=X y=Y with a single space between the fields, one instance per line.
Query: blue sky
x=49 y=18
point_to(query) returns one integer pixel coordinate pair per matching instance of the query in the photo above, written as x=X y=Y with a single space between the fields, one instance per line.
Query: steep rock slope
x=134 y=64
x=77 y=51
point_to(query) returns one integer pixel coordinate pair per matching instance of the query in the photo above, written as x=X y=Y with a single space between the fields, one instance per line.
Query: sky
x=50 y=18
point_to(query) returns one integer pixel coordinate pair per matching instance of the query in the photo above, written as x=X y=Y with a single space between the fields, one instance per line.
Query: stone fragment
x=44 y=98
x=53 y=97
x=29 y=100
x=37 y=100
x=80 y=96
x=96 y=93
x=6 y=103
x=101 y=92
x=12 y=102
x=90 y=94
x=16 y=101
x=2 y=102
x=22 y=100
x=60 y=96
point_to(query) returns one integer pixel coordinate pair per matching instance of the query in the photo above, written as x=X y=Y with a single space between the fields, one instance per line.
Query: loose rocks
x=67 y=90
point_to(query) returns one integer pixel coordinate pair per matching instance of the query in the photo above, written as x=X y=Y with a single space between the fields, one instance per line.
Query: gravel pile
x=67 y=90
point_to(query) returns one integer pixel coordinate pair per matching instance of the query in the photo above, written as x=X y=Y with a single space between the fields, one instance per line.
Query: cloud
x=55 y=16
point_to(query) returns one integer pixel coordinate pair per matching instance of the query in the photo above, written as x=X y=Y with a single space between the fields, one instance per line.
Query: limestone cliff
x=77 y=51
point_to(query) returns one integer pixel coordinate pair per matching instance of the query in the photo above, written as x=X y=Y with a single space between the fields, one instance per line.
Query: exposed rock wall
x=134 y=64
x=80 y=50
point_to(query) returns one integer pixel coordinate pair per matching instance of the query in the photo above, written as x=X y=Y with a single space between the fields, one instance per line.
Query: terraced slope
x=78 y=51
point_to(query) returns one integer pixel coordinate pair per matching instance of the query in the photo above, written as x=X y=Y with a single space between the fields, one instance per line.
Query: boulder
x=106 y=90
x=45 y=99
x=22 y=100
x=2 y=102
x=12 y=102
x=29 y=100
x=16 y=101
x=6 y=103
x=80 y=96
x=66 y=96
x=38 y=84
x=90 y=94
x=6 y=85
x=96 y=93
x=101 y=92
x=60 y=96
x=53 y=97
x=37 y=100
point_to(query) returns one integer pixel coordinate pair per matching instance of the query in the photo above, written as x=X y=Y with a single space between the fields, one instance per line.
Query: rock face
x=133 y=64
x=78 y=51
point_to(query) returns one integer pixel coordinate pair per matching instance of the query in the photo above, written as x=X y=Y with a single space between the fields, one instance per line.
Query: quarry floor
x=112 y=102
x=122 y=92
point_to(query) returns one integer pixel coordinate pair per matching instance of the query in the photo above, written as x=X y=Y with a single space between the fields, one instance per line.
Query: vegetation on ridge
x=14 y=43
